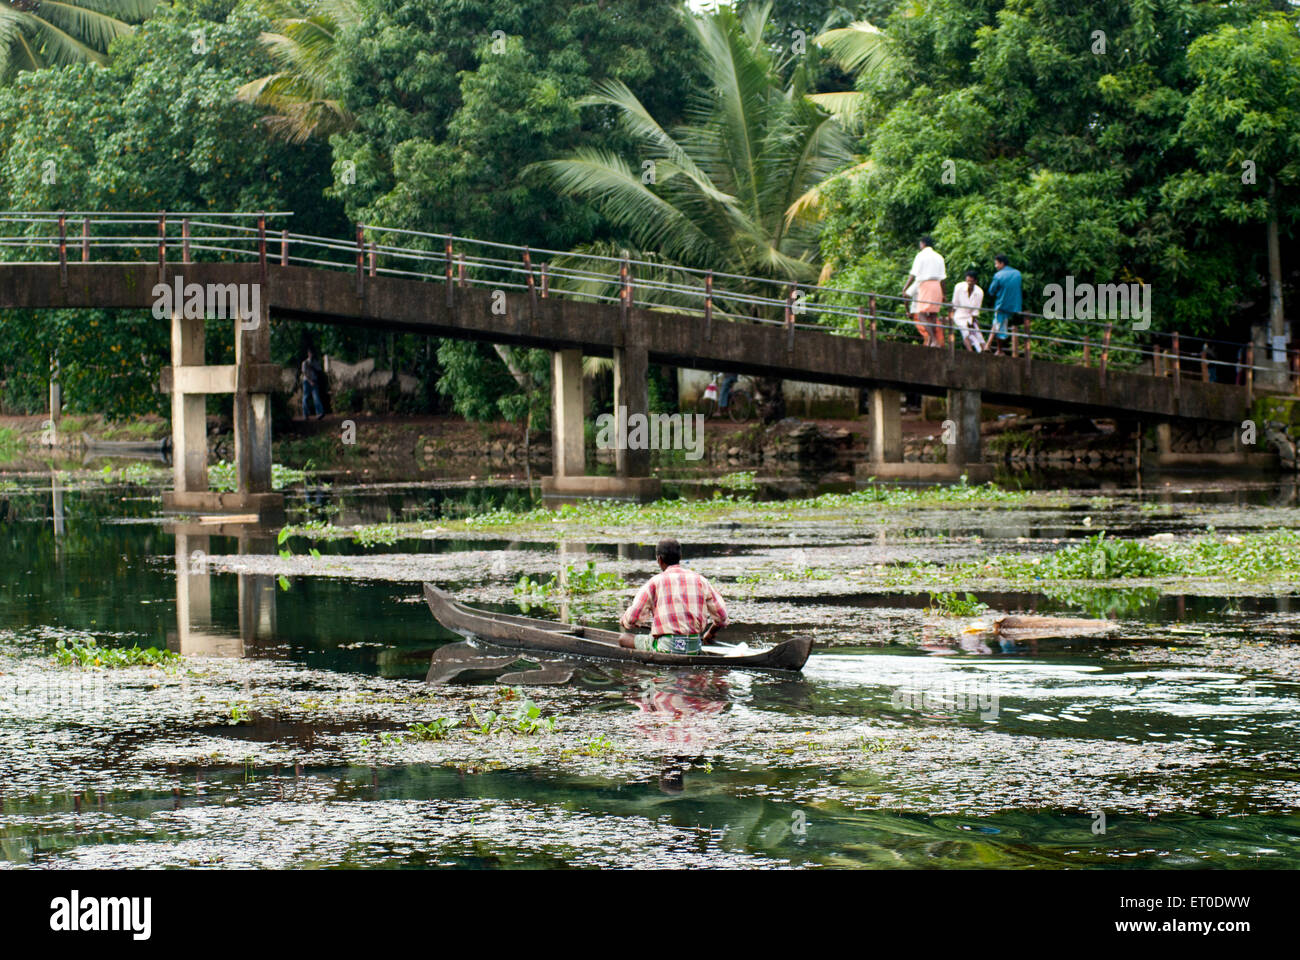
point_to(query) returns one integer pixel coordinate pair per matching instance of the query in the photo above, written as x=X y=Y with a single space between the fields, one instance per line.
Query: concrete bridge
x=509 y=300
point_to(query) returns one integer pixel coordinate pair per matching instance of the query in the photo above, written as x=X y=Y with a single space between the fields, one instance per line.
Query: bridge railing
x=618 y=280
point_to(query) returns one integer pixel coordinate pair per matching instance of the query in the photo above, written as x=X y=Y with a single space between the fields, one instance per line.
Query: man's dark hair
x=971 y=274
x=1002 y=259
x=927 y=241
x=669 y=551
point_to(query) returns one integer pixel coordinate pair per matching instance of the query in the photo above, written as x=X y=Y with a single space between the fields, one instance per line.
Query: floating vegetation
x=79 y=652
x=436 y=729
x=575 y=581
x=222 y=476
x=738 y=480
x=1246 y=557
x=136 y=474
x=954 y=605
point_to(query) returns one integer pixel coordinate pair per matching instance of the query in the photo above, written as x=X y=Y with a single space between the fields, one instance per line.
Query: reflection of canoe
x=505 y=630
x=1047 y=628
x=144 y=449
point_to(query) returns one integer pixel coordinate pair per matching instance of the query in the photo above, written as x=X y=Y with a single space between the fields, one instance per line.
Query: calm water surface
x=95 y=561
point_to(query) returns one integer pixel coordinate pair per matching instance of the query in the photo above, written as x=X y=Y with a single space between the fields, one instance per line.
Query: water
x=902 y=744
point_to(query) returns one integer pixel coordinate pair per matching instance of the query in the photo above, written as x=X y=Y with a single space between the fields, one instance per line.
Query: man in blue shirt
x=1005 y=289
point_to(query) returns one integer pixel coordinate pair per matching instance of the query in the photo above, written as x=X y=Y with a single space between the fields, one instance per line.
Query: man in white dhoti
x=967 y=298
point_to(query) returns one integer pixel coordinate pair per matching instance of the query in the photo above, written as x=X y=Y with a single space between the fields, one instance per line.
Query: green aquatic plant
x=239 y=713
x=576 y=581
x=136 y=474
x=954 y=605
x=738 y=480
x=78 y=652
x=525 y=719
x=436 y=729
x=223 y=477
x=1099 y=558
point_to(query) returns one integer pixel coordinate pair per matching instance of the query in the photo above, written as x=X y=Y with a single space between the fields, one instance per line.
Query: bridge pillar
x=250 y=379
x=631 y=404
x=964 y=412
x=569 y=480
x=189 y=410
x=886 y=426
x=568 y=405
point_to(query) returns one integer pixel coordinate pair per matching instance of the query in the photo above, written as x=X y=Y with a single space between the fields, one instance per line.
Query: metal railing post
x=185 y=240
x=361 y=256
x=261 y=244
x=85 y=239
x=708 y=305
x=284 y=248
x=532 y=284
x=451 y=293
x=63 y=248
x=625 y=275
x=1250 y=373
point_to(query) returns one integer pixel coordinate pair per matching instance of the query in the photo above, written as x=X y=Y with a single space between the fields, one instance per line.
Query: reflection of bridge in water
x=637 y=313
x=195 y=634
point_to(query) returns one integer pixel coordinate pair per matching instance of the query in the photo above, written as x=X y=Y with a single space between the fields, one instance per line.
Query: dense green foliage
x=159 y=128
x=39 y=33
x=1109 y=141
x=1006 y=128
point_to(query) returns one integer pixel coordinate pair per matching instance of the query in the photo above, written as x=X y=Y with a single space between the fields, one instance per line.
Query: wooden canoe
x=551 y=636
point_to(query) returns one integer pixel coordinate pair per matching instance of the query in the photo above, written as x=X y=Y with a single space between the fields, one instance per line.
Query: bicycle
x=740 y=402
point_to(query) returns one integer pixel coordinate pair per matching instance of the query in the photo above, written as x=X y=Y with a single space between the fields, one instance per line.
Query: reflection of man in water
x=672 y=701
x=685 y=610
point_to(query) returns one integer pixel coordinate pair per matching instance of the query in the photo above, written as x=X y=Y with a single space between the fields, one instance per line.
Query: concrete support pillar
x=964 y=412
x=253 y=442
x=631 y=397
x=568 y=406
x=886 y=426
x=1164 y=438
x=253 y=410
x=189 y=411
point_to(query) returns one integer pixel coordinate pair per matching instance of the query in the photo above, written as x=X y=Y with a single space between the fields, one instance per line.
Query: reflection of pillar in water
x=256 y=594
x=56 y=493
x=566 y=548
x=194 y=634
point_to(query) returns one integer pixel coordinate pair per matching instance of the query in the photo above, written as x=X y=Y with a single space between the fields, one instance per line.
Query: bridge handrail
x=671 y=283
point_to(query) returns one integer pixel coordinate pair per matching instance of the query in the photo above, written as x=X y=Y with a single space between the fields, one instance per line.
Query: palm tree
x=55 y=33
x=715 y=192
x=305 y=46
x=858 y=49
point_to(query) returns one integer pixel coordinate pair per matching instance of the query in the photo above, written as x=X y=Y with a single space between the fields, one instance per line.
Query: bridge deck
x=387 y=302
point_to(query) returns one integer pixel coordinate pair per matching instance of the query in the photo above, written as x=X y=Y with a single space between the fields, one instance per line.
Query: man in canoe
x=684 y=609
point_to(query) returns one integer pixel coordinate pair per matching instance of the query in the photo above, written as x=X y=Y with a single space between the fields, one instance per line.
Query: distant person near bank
x=311 y=374
x=929 y=272
x=1005 y=290
x=685 y=610
x=967 y=298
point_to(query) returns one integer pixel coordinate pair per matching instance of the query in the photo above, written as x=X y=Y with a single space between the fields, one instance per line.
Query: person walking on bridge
x=929 y=272
x=1007 y=301
x=967 y=298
